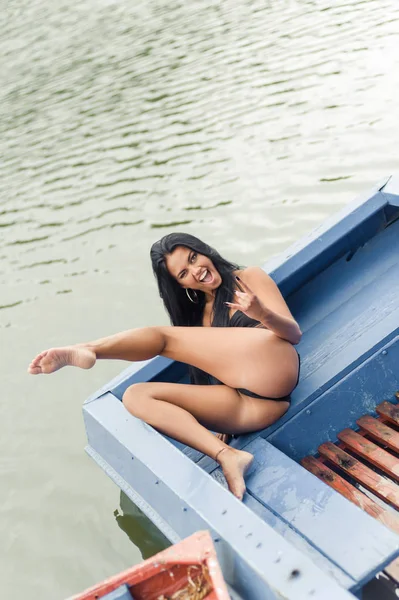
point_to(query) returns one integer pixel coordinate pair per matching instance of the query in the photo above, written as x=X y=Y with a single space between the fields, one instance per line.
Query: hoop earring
x=195 y=296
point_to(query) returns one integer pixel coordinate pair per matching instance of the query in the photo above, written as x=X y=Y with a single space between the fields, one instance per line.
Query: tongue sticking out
x=207 y=278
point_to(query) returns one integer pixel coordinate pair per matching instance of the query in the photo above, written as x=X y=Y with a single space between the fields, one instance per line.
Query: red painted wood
x=389 y=411
x=371 y=452
x=380 y=486
x=339 y=484
x=167 y=572
x=380 y=432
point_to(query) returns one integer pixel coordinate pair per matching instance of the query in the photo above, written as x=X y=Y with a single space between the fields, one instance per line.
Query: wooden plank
x=370 y=452
x=389 y=411
x=379 y=485
x=167 y=571
x=353 y=322
x=366 y=265
x=180 y=499
x=299 y=433
x=380 y=432
x=338 y=483
x=299 y=542
x=312 y=510
x=192 y=454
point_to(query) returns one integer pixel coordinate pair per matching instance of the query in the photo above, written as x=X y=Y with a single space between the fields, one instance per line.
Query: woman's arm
x=263 y=301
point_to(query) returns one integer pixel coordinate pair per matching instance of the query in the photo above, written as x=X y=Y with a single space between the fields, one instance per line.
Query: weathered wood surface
x=341 y=405
x=163 y=575
x=180 y=499
x=300 y=432
x=380 y=432
x=380 y=486
x=370 y=452
x=299 y=541
x=389 y=411
x=312 y=510
x=339 y=484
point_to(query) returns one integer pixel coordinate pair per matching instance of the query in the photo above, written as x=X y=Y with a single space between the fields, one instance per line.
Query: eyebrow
x=188 y=258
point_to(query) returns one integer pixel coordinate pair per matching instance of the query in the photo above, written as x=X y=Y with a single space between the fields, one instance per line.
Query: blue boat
x=293 y=536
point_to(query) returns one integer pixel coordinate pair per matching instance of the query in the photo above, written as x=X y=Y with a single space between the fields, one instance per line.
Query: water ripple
x=117 y=118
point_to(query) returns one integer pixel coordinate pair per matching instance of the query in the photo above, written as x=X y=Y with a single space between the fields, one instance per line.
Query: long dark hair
x=181 y=311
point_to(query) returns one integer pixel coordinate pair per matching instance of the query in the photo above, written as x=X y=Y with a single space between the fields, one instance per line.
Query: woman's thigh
x=240 y=357
x=217 y=407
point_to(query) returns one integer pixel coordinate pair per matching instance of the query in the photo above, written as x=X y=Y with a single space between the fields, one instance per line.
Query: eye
x=182 y=274
x=193 y=257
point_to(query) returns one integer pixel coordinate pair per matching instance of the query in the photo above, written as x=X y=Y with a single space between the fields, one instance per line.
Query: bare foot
x=235 y=463
x=56 y=358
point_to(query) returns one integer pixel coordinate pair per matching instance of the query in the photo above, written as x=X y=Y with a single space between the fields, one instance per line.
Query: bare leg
x=132 y=345
x=187 y=412
x=248 y=358
x=239 y=357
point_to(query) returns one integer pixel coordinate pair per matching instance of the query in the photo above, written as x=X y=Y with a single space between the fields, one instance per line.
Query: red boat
x=188 y=570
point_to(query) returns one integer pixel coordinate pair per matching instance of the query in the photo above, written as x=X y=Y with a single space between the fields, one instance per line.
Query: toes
x=38 y=358
x=240 y=495
x=34 y=370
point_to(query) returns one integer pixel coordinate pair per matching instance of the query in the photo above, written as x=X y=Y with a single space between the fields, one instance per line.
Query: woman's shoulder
x=252 y=273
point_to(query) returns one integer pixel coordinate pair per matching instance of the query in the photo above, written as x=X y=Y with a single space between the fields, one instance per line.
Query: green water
x=243 y=122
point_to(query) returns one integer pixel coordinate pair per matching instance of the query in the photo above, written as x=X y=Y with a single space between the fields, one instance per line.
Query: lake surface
x=243 y=122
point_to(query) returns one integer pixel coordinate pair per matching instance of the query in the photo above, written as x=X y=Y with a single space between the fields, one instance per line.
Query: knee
x=134 y=398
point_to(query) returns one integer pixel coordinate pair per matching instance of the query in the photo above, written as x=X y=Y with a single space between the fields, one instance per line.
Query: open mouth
x=206 y=277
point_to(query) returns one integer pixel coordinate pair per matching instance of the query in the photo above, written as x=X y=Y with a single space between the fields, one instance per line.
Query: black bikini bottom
x=282 y=399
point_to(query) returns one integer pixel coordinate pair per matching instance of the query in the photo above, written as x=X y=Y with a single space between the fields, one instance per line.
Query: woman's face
x=193 y=270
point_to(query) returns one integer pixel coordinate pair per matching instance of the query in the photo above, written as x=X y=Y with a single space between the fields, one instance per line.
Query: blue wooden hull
x=342 y=284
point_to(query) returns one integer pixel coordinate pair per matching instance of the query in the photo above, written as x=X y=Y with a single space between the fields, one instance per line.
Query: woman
x=230 y=323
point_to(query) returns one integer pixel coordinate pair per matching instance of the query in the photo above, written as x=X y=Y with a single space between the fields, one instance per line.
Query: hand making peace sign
x=247 y=302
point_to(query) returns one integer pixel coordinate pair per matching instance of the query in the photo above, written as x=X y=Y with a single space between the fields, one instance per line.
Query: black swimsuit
x=239 y=319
